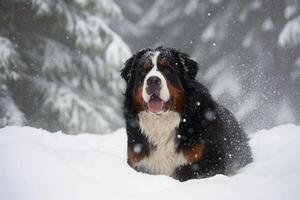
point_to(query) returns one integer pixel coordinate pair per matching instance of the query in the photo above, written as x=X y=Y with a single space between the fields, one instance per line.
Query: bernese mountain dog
x=174 y=126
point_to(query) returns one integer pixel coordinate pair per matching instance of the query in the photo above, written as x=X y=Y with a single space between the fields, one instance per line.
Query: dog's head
x=156 y=79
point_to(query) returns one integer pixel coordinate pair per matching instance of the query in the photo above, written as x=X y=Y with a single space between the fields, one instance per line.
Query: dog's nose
x=153 y=85
x=153 y=80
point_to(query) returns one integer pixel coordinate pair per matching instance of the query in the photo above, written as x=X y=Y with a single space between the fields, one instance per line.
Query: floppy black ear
x=130 y=65
x=188 y=66
x=126 y=72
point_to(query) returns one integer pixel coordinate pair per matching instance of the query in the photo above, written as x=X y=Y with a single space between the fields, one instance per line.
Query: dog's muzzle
x=155 y=103
x=153 y=85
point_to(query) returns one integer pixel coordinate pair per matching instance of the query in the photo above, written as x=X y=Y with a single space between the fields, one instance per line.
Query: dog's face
x=156 y=79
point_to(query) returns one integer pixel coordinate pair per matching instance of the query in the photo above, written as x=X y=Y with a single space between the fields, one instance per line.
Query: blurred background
x=60 y=60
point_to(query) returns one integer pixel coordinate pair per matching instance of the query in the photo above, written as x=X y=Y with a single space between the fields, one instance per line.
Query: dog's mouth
x=156 y=105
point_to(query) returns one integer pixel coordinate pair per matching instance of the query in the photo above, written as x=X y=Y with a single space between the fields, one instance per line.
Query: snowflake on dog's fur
x=137 y=148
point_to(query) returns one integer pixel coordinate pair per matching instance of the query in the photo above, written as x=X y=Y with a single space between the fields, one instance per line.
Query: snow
x=8 y=57
x=36 y=164
x=268 y=24
x=290 y=35
x=289 y=11
x=191 y=7
x=209 y=33
x=255 y=5
x=216 y=1
x=251 y=103
x=226 y=83
x=285 y=112
x=6 y=49
x=9 y=112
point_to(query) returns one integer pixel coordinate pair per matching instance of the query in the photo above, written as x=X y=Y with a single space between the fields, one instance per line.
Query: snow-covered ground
x=38 y=165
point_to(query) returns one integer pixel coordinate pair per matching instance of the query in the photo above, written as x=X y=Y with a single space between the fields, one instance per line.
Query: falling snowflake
x=210 y=115
x=137 y=148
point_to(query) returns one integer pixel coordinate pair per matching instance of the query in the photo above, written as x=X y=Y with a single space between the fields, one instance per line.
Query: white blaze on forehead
x=164 y=93
x=154 y=58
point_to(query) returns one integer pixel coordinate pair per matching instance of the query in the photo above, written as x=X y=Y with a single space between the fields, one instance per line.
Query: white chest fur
x=160 y=130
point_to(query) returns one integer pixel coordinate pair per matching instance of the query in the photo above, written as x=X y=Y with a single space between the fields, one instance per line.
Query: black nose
x=153 y=80
x=153 y=85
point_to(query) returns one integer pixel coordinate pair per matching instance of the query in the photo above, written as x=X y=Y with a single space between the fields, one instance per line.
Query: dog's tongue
x=155 y=104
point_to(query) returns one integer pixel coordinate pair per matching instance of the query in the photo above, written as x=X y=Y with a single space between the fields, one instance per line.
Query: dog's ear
x=130 y=65
x=126 y=72
x=188 y=66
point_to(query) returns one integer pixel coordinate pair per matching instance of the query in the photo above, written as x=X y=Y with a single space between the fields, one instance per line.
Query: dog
x=174 y=127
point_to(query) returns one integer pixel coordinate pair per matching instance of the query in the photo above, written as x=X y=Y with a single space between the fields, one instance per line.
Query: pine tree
x=61 y=63
x=10 y=69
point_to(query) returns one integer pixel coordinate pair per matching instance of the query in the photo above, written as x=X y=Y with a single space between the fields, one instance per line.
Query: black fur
x=203 y=121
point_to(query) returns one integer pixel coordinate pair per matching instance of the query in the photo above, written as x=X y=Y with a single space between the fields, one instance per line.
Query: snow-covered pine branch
x=290 y=35
x=10 y=68
x=73 y=60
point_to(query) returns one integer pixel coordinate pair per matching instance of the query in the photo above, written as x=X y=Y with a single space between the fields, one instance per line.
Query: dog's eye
x=163 y=62
x=147 y=65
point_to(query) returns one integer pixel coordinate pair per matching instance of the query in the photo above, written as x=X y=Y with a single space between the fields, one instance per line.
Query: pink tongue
x=155 y=105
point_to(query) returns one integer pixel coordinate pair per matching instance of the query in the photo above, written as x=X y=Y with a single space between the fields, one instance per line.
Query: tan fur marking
x=177 y=97
x=147 y=65
x=194 y=154
x=163 y=62
x=133 y=157
x=138 y=99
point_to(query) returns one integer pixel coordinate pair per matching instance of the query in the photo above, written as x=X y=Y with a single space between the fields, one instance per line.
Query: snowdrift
x=38 y=165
